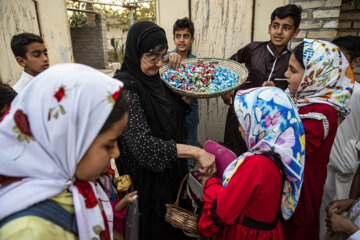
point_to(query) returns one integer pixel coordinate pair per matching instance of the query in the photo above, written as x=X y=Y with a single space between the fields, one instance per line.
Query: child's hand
x=336 y=223
x=117 y=235
x=206 y=161
x=227 y=98
x=174 y=60
x=130 y=198
x=127 y=199
x=341 y=205
x=268 y=84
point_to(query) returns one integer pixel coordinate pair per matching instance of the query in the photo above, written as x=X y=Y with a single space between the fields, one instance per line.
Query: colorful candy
x=200 y=77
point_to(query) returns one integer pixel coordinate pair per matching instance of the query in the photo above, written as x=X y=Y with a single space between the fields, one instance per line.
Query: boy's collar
x=26 y=75
x=190 y=55
x=272 y=49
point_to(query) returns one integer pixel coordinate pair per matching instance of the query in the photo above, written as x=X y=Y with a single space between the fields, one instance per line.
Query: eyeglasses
x=151 y=58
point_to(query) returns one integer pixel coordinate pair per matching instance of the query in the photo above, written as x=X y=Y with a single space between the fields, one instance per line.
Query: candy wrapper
x=122 y=183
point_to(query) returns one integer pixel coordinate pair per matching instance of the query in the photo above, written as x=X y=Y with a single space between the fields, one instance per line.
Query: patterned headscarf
x=48 y=129
x=272 y=124
x=328 y=77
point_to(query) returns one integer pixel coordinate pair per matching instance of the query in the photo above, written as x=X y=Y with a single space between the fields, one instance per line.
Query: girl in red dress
x=321 y=82
x=263 y=182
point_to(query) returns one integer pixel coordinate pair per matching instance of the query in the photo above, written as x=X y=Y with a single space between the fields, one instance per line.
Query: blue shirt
x=192 y=119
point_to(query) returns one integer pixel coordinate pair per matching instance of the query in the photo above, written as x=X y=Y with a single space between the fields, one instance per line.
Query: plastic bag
x=132 y=220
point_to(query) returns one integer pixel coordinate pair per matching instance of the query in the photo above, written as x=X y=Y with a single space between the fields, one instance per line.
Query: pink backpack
x=223 y=156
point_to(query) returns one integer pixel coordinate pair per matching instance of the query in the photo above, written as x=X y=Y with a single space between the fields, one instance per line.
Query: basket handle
x=181 y=185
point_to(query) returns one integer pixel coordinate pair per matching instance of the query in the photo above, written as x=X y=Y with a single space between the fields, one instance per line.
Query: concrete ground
x=110 y=70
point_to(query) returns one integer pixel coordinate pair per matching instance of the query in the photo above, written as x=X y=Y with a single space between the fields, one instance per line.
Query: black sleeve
x=243 y=54
x=150 y=152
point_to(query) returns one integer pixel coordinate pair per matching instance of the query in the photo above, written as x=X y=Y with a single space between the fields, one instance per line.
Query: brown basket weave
x=179 y=217
x=238 y=68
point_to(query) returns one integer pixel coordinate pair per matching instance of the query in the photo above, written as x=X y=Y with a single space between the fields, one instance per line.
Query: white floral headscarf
x=328 y=77
x=272 y=124
x=46 y=132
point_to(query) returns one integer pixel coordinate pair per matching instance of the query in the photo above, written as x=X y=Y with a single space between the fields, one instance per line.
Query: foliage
x=77 y=19
x=143 y=11
x=353 y=2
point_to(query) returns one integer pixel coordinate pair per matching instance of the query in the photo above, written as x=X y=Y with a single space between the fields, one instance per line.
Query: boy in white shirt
x=31 y=54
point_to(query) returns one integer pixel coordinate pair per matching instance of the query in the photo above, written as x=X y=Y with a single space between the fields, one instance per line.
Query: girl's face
x=97 y=157
x=294 y=74
x=151 y=63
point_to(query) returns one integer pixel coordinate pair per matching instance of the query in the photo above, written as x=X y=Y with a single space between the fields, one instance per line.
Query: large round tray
x=238 y=68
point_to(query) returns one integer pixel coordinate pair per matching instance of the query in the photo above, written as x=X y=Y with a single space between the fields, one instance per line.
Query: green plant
x=78 y=20
x=352 y=2
x=144 y=11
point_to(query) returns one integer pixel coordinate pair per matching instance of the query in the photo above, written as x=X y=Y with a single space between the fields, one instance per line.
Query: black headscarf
x=165 y=113
x=157 y=101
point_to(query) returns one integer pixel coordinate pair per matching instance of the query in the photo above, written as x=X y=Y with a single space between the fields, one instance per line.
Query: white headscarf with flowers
x=328 y=77
x=48 y=129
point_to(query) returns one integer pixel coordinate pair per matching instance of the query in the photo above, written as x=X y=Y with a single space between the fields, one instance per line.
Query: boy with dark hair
x=183 y=36
x=350 y=46
x=267 y=63
x=343 y=160
x=7 y=94
x=31 y=54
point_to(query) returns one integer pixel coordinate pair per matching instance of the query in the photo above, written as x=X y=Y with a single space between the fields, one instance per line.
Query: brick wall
x=349 y=24
x=89 y=44
x=327 y=19
x=319 y=19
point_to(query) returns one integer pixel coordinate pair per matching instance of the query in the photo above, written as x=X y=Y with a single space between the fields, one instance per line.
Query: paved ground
x=111 y=69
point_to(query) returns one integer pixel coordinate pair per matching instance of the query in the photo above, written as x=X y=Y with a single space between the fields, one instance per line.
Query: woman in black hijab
x=152 y=144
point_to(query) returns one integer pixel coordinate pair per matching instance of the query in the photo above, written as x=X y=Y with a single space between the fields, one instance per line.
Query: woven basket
x=179 y=217
x=238 y=68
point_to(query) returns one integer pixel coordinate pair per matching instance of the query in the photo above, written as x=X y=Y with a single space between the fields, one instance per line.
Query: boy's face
x=36 y=59
x=281 y=31
x=183 y=40
x=354 y=63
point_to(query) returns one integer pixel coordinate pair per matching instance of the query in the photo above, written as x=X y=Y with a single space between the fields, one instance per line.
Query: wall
x=263 y=10
x=16 y=17
x=55 y=29
x=89 y=44
x=327 y=19
x=115 y=30
x=167 y=12
x=320 y=19
x=222 y=27
x=349 y=24
x=19 y=16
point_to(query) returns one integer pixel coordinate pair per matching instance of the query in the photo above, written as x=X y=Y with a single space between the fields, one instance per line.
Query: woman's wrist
x=197 y=152
x=188 y=151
